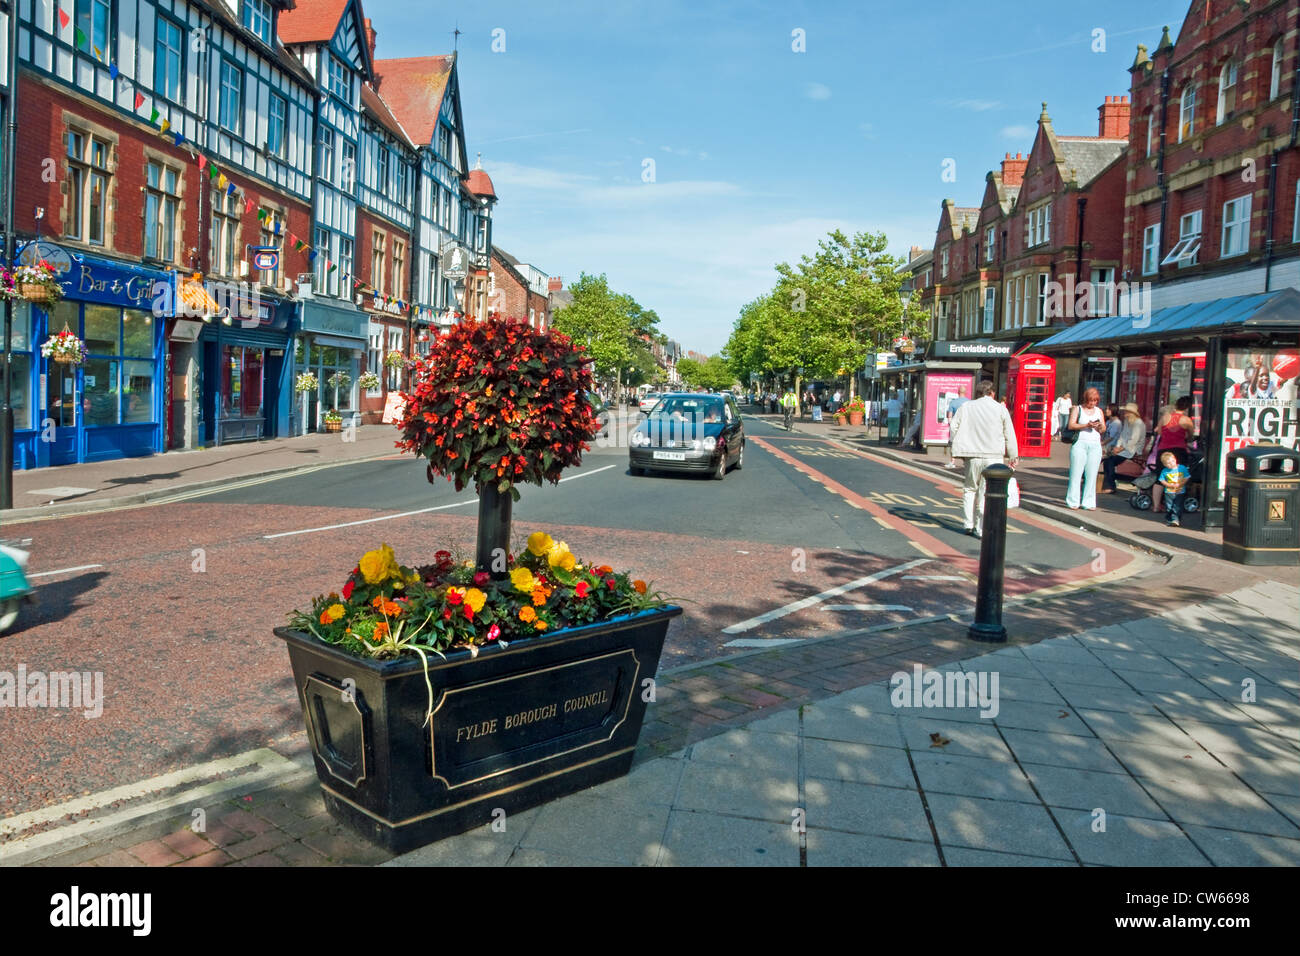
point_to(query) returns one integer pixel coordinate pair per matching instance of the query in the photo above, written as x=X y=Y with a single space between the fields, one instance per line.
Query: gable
x=348 y=41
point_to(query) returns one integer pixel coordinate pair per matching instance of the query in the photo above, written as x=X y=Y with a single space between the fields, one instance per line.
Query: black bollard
x=987 y=626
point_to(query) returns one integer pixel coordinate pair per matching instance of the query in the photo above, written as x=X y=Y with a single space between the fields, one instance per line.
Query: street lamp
x=11 y=131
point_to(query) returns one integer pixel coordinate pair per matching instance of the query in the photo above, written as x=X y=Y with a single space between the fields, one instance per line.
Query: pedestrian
x=789 y=404
x=1173 y=479
x=1113 y=426
x=1063 y=406
x=913 y=436
x=1175 y=433
x=953 y=404
x=893 y=412
x=1089 y=422
x=983 y=435
x=1126 y=450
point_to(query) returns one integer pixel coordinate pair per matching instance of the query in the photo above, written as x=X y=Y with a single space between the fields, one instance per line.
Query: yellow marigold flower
x=522 y=579
x=379 y=565
x=527 y=614
x=540 y=624
x=334 y=612
x=475 y=599
x=539 y=542
x=561 y=556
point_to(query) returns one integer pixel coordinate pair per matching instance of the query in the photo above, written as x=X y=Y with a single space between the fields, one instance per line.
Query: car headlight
x=639 y=439
x=710 y=444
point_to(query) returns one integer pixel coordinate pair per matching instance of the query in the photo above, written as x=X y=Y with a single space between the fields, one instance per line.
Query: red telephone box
x=1031 y=394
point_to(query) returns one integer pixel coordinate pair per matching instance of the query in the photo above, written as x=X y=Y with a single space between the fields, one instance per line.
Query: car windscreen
x=697 y=409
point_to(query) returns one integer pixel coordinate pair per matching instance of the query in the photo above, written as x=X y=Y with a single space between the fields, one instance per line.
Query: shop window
x=21 y=363
x=1137 y=384
x=394 y=344
x=118 y=374
x=241 y=382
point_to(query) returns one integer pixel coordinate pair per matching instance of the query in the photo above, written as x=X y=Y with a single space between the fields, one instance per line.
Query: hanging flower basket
x=37 y=284
x=394 y=359
x=64 y=348
x=306 y=382
x=369 y=381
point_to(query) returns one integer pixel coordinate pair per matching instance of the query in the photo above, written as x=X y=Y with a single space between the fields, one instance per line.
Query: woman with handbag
x=1125 y=455
x=1087 y=421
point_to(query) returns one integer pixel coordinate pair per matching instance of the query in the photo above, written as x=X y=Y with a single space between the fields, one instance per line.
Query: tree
x=614 y=328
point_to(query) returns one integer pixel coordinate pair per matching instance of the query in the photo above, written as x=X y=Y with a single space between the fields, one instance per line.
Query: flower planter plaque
x=512 y=726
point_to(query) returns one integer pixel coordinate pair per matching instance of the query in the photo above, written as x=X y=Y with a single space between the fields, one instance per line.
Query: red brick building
x=511 y=295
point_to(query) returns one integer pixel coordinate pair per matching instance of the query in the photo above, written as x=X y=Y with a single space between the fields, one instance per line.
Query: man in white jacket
x=982 y=434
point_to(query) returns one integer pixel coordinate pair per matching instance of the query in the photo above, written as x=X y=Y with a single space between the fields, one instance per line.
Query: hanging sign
x=265 y=258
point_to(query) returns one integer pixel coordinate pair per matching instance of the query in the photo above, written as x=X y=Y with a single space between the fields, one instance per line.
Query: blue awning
x=1264 y=312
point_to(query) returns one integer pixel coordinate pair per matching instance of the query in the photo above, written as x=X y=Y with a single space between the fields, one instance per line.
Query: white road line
x=80 y=567
x=923 y=549
x=933 y=577
x=763 y=642
x=772 y=615
x=866 y=607
x=407 y=514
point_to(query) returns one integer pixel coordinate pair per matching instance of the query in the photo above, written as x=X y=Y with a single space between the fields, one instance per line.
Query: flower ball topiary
x=499 y=403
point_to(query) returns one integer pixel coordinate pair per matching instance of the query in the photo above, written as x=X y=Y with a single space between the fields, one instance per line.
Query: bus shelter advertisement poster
x=1260 y=401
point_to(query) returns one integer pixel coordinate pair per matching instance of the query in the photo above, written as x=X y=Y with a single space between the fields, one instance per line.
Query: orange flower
x=527 y=615
x=640 y=586
x=539 y=596
x=381 y=631
x=602 y=569
x=540 y=624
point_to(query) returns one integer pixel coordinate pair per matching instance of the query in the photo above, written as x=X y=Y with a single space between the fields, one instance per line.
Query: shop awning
x=197 y=302
x=1264 y=312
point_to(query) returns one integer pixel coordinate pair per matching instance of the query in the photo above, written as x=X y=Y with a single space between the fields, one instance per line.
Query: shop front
x=110 y=405
x=331 y=340
x=1235 y=360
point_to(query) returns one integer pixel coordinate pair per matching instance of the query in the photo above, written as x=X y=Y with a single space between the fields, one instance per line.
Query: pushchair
x=1142 y=499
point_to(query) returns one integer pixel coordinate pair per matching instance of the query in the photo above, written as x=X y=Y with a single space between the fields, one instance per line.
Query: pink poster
x=942 y=389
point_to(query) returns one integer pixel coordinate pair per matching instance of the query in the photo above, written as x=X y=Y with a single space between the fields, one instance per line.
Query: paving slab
x=853 y=723
x=832 y=848
x=1061 y=750
x=863 y=808
x=972 y=777
x=963 y=856
x=609 y=831
x=1128 y=841
x=963 y=739
x=1229 y=848
x=859 y=763
x=1213 y=800
x=1117 y=794
x=1022 y=828
x=753 y=751
x=739 y=791
x=710 y=839
x=1047 y=718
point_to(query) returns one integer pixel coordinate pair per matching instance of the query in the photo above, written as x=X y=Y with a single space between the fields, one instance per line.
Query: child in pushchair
x=1148 y=490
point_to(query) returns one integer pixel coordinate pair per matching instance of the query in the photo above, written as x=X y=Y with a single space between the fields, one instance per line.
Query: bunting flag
x=166 y=125
x=79 y=38
x=64 y=19
x=212 y=171
x=311 y=256
x=230 y=189
x=203 y=161
x=332 y=267
x=139 y=100
x=277 y=227
x=221 y=180
x=153 y=116
x=298 y=245
x=99 y=54
x=179 y=137
x=261 y=213
x=248 y=206
x=113 y=71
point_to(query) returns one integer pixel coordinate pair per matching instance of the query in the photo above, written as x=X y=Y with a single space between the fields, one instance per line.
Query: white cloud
x=518 y=177
x=975 y=106
x=1017 y=132
x=817 y=91
x=658 y=192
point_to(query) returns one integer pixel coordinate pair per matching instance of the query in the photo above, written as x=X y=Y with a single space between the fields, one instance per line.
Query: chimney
x=370 y=39
x=1013 y=170
x=554 y=284
x=1113 y=118
x=916 y=251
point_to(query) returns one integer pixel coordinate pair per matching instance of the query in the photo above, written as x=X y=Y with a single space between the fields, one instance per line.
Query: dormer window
x=1227 y=91
x=257 y=18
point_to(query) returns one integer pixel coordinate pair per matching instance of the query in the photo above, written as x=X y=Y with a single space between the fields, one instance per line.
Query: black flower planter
x=512 y=728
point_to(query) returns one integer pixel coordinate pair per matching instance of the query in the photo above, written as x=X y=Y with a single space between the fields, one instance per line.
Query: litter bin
x=1261 y=522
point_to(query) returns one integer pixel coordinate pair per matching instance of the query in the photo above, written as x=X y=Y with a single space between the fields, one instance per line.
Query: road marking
x=883 y=523
x=772 y=615
x=933 y=577
x=80 y=567
x=407 y=514
x=922 y=548
x=763 y=641
x=1032 y=570
x=866 y=607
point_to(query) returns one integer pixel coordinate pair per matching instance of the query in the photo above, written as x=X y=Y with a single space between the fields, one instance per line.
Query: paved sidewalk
x=1145 y=720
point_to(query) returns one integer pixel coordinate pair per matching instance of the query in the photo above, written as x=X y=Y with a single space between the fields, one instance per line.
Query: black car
x=687 y=431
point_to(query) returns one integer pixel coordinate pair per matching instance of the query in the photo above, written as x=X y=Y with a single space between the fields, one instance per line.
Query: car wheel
x=9 y=613
x=721 y=471
x=740 y=458
x=635 y=471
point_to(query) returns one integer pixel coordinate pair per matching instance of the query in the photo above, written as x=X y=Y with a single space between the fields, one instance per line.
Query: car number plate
x=670 y=455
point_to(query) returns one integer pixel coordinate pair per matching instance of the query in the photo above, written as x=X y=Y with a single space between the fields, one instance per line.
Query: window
x=377 y=261
x=434 y=284
x=276 y=124
x=162 y=198
x=444 y=142
x=1151 y=250
x=1187 y=113
x=325 y=155
x=94 y=20
x=381 y=169
x=225 y=233
x=446 y=209
x=167 y=61
x=1227 y=91
x=1038 y=225
x=394 y=344
x=349 y=172
x=1275 y=80
x=345 y=264
x=943 y=319
x=375 y=357
x=1184 y=252
x=241 y=385
x=401 y=181
x=399 y=266
x=990 y=244
x=269 y=238
x=1043 y=279
x=1101 y=291
x=323 y=250
x=88 y=180
x=1008 y=317
x=943 y=264
x=1295 y=228
x=118 y=373
x=1236 y=227
x=340 y=79
x=257 y=17
x=1151 y=131
x=231 y=110
x=990 y=300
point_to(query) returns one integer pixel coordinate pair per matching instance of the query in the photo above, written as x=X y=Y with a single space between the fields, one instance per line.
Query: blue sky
x=758 y=150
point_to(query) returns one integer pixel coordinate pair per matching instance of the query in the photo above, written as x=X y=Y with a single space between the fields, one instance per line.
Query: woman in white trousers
x=1085 y=454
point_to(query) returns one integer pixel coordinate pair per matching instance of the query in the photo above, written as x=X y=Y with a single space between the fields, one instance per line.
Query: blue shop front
x=109 y=406
x=331 y=339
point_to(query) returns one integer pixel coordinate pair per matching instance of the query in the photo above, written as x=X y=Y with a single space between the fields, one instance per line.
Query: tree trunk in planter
x=494 y=509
